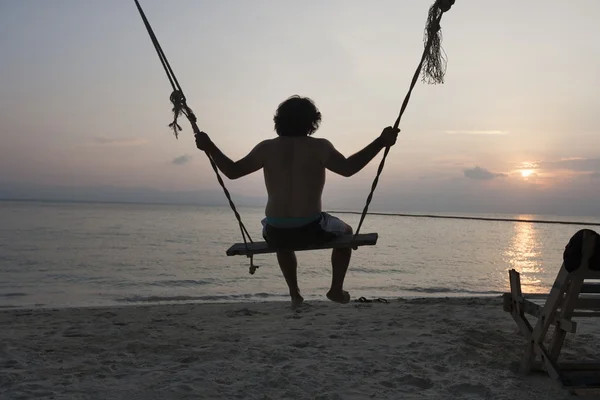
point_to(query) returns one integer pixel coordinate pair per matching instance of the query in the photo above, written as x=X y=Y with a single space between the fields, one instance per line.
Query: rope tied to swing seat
x=180 y=107
x=433 y=65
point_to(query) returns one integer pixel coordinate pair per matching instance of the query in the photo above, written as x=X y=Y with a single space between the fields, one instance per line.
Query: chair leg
x=528 y=357
x=568 y=306
x=535 y=345
x=514 y=304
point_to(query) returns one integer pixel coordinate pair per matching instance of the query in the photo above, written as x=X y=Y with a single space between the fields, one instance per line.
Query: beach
x=421 y=348
x=130 y=301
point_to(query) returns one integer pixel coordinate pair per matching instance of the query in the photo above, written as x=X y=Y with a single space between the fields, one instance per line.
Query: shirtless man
x=294 y=167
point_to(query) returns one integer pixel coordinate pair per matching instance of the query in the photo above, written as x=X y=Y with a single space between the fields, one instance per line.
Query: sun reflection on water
x=523 y=255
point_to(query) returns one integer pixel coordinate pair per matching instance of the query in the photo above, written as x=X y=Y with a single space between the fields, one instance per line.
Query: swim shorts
x=284 y=232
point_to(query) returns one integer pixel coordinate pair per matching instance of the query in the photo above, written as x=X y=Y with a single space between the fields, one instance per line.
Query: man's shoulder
x=306 y=139
x=325 y=145
x=320 y=141
x=265 y=143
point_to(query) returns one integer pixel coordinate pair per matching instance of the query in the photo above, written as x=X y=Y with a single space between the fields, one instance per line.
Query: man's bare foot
x=297 y=302
x=342 y=297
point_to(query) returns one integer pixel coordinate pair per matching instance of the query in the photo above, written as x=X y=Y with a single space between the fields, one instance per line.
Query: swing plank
x=364 y=239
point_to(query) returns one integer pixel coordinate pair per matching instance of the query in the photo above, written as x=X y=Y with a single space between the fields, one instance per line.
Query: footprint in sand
x=106 y=314
x=244 y=312
x=421 y=383
x=189 y=359
x=388 y=384
x=302 y=345
x=74 y=332
x=468 y=389
x=440 y=368
x=303 y=307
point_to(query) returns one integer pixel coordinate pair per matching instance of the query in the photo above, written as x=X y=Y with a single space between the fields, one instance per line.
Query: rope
x=180 y=107
x=432 y=59
x=435 y=63
x=528 y=221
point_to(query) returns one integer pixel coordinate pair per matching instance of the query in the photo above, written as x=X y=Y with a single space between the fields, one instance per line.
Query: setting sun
x=526 y=172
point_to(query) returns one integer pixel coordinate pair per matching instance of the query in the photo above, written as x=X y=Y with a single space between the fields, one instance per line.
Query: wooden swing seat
x=364 y=239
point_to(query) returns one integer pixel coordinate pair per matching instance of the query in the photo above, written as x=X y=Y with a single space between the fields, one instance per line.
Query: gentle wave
x=16 y=294
x=270 y=296
x=184 y=282
x=212 y=298
x=448 y=290
x=402 y=290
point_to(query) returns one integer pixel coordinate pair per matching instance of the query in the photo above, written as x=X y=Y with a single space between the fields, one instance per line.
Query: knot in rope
x=253 y=267
x=177 y=99
x=433 y=28
x=445 y=5
x=180 y=107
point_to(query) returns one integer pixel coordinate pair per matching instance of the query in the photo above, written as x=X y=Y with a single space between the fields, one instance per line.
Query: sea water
x=90 y=254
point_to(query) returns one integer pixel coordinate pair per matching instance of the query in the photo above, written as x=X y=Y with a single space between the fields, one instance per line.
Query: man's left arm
x=252 y=162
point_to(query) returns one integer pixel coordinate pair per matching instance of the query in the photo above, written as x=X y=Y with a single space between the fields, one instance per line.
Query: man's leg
x=340 y=259
x=289 y=266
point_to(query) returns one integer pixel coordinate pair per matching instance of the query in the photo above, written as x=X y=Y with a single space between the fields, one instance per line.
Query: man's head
x=297 y=116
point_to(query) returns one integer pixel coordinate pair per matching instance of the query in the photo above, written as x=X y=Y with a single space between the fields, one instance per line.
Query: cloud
x=483 y=174
x=573 y=164
x=528 y=165
x=450 y=162
x=181 y=160
x=571 y=158
x=477 y=132
x=595 y=175
x=106 y=141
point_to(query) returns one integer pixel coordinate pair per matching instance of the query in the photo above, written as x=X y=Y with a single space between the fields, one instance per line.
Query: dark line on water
x=532 y=221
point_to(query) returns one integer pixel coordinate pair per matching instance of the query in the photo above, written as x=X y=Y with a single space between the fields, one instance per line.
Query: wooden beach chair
x=572 y=296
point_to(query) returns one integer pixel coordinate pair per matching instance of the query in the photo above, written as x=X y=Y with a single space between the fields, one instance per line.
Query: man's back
x=294 y=171
x=294 y=163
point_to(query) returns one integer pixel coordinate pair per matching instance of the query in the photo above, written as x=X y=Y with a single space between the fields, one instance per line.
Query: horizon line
x=379 y=213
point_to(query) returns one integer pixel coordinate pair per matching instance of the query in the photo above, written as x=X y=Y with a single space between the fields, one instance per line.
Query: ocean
x=55 y=254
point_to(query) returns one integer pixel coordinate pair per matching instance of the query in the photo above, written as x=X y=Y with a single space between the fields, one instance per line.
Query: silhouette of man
x=294 y=165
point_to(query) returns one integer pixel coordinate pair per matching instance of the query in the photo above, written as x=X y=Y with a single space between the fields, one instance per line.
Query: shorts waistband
x=291 y=222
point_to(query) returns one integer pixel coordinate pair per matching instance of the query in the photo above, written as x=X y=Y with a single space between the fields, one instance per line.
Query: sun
x=526 y=172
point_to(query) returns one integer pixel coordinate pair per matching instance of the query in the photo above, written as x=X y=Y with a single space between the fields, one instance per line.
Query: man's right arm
x=336 y=162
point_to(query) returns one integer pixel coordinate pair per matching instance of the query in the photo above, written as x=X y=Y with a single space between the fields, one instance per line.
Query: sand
x=407 y=349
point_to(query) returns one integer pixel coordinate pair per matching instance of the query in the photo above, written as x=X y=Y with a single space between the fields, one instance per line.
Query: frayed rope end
x=434 y=63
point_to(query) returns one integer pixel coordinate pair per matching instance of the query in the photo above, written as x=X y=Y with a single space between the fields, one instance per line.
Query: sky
x=515 y=127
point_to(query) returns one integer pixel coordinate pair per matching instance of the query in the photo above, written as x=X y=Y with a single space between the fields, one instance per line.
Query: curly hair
x=297 y=116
